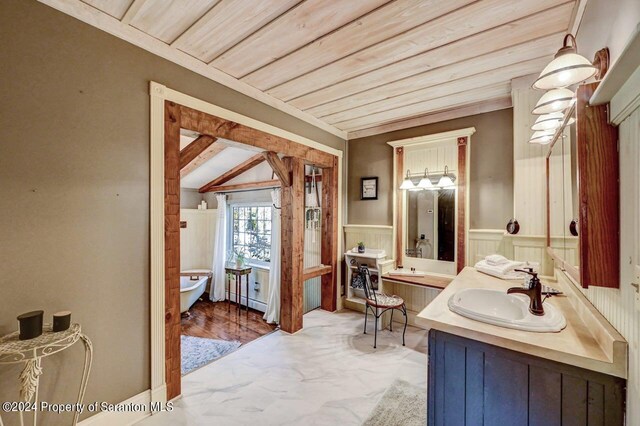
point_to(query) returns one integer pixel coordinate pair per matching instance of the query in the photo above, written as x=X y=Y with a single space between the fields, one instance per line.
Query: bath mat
x=199 y=351
x=402 y=404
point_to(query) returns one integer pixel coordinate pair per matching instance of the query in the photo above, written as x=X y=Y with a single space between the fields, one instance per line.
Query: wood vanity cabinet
x=473 y=383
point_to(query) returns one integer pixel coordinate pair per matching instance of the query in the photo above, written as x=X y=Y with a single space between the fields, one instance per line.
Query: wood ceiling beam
x=278 y=167
x=249 y=186
x=198 y=152
x=132 y=11
x=207 y=124
x=235 y=172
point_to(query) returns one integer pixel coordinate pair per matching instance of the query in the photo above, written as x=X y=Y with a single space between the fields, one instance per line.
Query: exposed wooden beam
x=197 y=153
x=132 y=11
x=245 y=186
x=316 y=271
x=450 y=114
x=211 y=125
x=172 y=247
x=236 y=171
x=278 y=167
x=292 y=236
x=329 y=250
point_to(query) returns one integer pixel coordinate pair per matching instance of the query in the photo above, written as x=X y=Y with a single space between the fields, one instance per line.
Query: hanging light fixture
x=425 y=182
x=542 y=137
x=567 y=67
x=549 y=121
x=553 y=101
x=446 y=180
x=407 y=183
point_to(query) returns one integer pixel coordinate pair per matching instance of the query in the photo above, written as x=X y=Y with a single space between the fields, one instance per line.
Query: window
x=251 y=231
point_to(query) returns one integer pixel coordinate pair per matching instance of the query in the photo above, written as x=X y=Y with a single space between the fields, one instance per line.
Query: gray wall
x=491 y=170
x=74 y=190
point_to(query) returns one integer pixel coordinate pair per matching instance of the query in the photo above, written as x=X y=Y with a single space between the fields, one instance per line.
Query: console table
x=30 y=352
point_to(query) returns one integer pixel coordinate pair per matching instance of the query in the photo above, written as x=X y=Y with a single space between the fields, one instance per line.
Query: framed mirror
x=430 y=221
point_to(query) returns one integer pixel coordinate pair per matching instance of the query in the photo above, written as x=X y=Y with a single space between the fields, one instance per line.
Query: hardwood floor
x=213 y=321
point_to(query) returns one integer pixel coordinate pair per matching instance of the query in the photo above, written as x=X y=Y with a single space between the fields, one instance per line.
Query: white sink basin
x=505 y=310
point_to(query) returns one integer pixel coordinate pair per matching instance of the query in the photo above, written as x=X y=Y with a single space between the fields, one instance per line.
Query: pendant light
x=542 y=137
x=567 y=67
x=549 y=121
x=425 y=182
x=445 y=181
x=553 y=101
x=407 y=183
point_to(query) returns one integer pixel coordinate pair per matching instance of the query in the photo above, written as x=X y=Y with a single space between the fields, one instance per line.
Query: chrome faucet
x=534 y=292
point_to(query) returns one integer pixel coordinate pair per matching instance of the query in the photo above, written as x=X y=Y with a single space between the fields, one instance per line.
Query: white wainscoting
x=531 y=248
x=197 y=239
x=373 y=236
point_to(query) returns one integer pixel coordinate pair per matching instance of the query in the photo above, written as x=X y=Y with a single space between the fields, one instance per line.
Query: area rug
x=402 y=404
x=199 y=351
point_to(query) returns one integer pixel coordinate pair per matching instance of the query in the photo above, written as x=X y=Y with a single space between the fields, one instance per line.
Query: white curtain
x=272 y=314
x=219 y=252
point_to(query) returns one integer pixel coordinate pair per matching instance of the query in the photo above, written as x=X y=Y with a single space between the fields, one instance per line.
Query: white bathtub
x=190 y=291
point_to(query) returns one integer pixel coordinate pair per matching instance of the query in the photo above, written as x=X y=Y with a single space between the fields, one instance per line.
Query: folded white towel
x=496 y=259
x=511 y=275
x=504 y=271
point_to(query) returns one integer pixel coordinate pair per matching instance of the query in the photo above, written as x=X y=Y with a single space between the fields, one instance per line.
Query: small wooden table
x=238 y=273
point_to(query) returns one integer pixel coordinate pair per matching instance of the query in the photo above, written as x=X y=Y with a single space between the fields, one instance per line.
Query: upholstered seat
x=385 y=301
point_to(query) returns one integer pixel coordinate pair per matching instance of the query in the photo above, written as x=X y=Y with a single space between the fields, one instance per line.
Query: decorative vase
x=238 y=263
x=361 y=249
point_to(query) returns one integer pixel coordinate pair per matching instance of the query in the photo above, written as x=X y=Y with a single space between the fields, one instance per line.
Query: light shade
x=425 y=182
x=553 y=101
x=445 y=181
x=407 y=183
x=548 y=121
x=542 y=137
x=567 y=68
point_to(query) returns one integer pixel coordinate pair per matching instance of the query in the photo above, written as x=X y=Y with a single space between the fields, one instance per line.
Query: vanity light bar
x=444 y=178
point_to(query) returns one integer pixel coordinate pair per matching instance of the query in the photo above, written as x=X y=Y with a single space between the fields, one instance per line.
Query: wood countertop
x=432 y=281
x=588 y=341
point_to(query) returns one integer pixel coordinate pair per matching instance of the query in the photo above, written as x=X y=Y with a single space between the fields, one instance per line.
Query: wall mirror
x=583 y=228
x=431 y=198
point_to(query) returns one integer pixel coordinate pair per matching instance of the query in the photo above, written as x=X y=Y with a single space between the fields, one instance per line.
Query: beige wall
x=491 y=170
x=74 y=190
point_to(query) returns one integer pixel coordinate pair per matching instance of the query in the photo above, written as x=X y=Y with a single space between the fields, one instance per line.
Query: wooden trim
x=465 y=111
x=278 y=167
x=462 y=199
x=275 y=183
x=598 y=174
x=211 y=125
x=329 y=250
x=399 y=205
x=172 y=247
x=234 y=172
x=132 y=11
x=292 y=266
x=316 y=271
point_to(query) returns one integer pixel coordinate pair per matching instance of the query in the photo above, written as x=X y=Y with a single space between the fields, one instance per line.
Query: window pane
x=251 y=231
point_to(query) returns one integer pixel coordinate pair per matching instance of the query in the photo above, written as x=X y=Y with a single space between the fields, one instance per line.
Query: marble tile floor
x=326 y=374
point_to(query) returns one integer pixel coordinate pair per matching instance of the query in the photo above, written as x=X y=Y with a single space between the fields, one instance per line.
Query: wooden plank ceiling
x=362 y=66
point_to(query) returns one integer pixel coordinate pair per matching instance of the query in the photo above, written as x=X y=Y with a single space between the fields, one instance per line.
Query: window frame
x=230 y=206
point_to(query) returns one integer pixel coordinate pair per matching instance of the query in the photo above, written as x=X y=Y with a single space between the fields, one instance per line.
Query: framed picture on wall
x=369 y=188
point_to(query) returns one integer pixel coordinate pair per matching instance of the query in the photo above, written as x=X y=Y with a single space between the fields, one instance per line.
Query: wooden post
x=399 y=205
x=329 y=254
x=292 y=266
x=172 y=247
x=462 y=197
